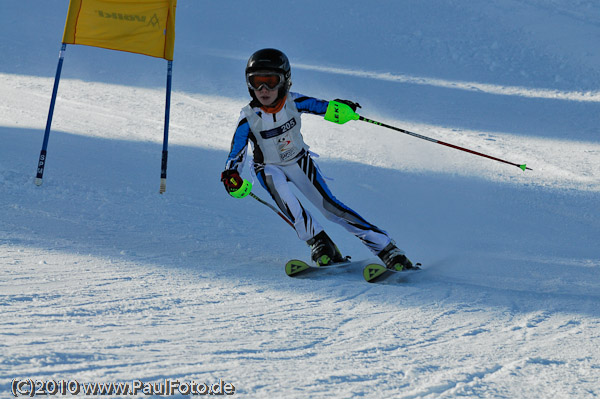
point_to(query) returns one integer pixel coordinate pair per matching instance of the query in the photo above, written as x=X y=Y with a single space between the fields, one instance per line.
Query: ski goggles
x=270 y=80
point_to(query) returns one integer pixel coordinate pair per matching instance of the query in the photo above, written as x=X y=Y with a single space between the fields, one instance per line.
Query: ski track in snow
x=99 y=318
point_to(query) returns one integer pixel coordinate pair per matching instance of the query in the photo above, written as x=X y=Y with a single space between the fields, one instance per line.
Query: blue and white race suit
x=281 y=157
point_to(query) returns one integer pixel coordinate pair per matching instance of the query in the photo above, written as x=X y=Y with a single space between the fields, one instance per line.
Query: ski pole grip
x=340 y=113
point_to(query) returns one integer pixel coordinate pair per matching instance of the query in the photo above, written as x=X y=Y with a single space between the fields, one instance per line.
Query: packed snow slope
x=104 y=280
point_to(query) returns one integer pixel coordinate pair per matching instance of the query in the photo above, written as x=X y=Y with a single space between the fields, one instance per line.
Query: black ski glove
x=349 y=103
x=232 y=180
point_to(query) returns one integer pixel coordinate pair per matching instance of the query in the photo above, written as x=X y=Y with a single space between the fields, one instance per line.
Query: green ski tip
x=373 y=271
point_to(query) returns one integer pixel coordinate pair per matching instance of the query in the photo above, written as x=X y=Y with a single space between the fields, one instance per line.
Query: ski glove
x=349 y=103
x=234 y=184
x=232 y=180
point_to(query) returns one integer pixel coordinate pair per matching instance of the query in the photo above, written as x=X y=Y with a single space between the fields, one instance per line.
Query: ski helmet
x=272 y=60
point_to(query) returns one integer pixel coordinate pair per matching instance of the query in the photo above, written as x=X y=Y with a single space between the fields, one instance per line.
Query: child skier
x=272 y=123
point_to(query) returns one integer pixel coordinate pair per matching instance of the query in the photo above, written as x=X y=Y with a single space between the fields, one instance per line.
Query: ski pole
x=273 y=208
x=341 y=113
x=246 y=189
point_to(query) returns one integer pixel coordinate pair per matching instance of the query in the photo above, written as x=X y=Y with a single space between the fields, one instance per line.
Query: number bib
x=280 y=142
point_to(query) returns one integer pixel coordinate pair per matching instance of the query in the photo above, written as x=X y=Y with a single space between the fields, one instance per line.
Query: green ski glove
x=339 y=111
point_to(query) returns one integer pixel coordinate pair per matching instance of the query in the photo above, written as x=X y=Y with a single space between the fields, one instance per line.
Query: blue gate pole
x=42 y=160
x=165 y=152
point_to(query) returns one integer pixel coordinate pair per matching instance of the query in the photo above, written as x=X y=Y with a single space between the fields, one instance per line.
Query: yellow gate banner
x=137 y=26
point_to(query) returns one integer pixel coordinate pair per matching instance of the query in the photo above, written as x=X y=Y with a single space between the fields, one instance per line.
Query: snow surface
x=105 y=280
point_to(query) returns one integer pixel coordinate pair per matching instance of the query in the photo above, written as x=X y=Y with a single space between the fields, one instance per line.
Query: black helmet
x=270 y=59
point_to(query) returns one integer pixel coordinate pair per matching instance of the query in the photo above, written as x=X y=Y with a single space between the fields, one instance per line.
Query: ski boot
x=394 y=258
x=323 y=251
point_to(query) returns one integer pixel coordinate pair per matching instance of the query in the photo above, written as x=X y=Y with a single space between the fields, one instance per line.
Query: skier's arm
x=239 y=145
x=310 y=105
x=319 y=107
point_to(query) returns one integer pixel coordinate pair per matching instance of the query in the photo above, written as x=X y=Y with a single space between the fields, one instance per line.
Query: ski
x=372 y=272
x=375 y=271
x=296 y=266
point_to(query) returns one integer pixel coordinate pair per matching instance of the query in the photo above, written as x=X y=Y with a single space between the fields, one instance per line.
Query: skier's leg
x=274 y=180
x=307 y=177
